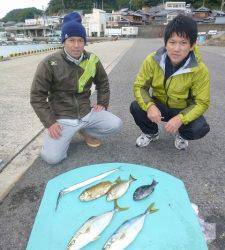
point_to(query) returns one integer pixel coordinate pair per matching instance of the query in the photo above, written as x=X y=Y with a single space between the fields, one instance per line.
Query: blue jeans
x=192 y=131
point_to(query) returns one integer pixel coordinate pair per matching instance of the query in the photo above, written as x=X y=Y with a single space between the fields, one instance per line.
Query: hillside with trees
x=57 y=7
x=61 y=6
x=19 y=15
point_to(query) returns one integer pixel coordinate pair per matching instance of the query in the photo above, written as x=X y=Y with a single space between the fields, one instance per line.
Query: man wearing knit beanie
x=60 y=94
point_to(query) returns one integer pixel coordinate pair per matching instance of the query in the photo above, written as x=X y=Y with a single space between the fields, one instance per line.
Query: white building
x=43 y=21
x=3 y=37
x=95 y=23
x=175 y=6
x=127 y=31
x=130 y=31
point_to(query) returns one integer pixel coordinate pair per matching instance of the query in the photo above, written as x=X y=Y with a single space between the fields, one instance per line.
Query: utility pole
x=44 y=21
x=203 y=4
x=222 y=5
x=102 y=4
x=63 y=7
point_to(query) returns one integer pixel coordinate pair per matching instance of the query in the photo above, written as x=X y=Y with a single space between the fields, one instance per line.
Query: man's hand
x=173 y=125
x=55 y=130
x=154 y=114
x=97 y=107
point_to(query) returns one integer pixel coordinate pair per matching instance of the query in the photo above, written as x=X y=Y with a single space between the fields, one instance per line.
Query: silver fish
x=144 y=191
x=83 y=184
x=128 y=231
x=92 y=228
x=119 y=188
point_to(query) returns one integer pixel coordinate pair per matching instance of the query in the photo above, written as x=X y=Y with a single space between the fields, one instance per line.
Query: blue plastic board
x=174 y=226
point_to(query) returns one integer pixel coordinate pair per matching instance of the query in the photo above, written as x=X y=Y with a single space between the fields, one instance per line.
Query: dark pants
x=192 y=131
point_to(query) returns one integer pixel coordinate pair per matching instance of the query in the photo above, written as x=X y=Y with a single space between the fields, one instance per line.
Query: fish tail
x=154 y=183
x=118 y=208
x=60 y=195
x=132 y=178
x=117 y=180
x=151 y=209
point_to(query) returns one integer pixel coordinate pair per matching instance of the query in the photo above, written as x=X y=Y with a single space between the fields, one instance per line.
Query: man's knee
x=134 y=108
x=51 y=158
x=197 y=130
x=115 y=124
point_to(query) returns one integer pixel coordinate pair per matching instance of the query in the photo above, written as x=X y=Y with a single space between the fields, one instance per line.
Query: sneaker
x=180 y=143
x=89 y=140
x=144 y=139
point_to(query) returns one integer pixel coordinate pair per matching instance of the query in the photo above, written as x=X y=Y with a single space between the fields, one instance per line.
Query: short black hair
x=183 y=26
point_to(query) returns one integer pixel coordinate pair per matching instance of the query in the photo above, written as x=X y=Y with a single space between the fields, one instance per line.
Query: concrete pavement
x=21 y=130
x=201 y=167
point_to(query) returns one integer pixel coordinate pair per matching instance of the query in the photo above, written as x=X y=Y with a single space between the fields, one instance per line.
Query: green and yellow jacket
x=61 y=89
x=187 y=89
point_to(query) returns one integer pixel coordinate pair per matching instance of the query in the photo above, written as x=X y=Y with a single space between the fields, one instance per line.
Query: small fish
x=128 y=231
x=92 y=229
x=95 y=191
x=144 y=191
x=119 y=188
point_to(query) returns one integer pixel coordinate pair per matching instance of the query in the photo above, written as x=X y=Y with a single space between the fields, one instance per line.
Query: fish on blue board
x=84 y=183
x=119 y=188
x=96 y=191
x=144 y=191
x=128 y=231
x=92 y=228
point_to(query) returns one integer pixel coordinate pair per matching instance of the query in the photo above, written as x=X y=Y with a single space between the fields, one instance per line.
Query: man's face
x=74 y=46
x=178 y=48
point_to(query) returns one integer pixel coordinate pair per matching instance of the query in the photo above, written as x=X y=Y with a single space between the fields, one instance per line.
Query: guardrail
x=29 y=52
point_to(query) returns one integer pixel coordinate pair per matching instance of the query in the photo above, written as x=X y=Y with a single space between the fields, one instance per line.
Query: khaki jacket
x=61 y=89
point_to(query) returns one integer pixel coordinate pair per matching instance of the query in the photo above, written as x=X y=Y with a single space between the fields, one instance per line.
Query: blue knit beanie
x=72 y=27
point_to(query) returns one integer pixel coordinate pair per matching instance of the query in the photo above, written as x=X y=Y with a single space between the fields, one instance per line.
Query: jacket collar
x=160 y=58
x=70 y=60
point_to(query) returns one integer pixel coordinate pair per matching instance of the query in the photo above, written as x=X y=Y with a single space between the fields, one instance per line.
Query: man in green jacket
x=60 y=94
x=179 y=84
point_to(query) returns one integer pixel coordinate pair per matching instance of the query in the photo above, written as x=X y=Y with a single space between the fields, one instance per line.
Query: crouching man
x=179 y=85
x=60 y=94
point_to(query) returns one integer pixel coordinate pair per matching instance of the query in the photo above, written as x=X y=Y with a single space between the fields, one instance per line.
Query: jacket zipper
x=166 y=89
x=78 y=111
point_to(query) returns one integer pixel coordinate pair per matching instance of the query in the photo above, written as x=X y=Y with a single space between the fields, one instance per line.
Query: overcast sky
x=8 y=5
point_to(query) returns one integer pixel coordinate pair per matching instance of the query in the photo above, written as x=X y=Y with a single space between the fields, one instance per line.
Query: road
x=201 y=167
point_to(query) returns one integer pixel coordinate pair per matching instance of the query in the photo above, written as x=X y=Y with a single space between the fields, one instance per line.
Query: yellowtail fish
x=92 y=228
x=95 y=191
x=128 y=231
x=119 y=188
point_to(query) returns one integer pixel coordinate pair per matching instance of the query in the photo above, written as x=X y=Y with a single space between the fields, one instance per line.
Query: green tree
x=122 y=4
x=19 y=15
x=136 y=4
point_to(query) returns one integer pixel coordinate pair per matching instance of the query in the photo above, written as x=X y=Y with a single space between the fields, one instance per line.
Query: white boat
x=22 y=38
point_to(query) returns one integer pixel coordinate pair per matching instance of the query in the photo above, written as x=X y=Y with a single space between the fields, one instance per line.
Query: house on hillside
x=203 y=15
x=171 y=15
x=124 y=17
x=134 y=18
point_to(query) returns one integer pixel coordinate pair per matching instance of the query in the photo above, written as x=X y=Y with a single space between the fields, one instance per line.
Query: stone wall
x=154 y=31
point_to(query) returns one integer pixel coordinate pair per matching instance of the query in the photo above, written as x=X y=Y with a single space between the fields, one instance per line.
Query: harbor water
x=6 y=50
